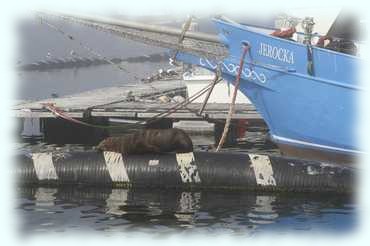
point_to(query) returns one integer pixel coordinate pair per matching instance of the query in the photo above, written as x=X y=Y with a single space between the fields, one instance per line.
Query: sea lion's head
x=108 y=144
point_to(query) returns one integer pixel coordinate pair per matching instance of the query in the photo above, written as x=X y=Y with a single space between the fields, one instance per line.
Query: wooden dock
x=119 y=105
x=115 y=102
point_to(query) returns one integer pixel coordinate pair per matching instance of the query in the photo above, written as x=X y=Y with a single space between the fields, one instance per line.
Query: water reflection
x=263 y=212
x=164 y=211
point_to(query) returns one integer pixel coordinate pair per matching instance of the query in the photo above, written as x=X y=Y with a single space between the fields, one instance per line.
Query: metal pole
x=218 y=77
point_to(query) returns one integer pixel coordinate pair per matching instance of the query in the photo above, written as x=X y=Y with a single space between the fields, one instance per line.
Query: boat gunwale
x=319 y=79
x=246 y=28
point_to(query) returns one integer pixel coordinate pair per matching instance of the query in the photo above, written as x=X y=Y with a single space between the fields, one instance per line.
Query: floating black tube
x=189 y=170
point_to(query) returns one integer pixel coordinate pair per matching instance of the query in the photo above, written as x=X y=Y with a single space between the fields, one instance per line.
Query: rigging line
x=59 y=113
x=90 y=50
x=185 y=28
x=246 y=48
x=124 y=100
x=196 y=112
x=217 y=76
x=99 y=55
x=121 y=68
x=183 y=104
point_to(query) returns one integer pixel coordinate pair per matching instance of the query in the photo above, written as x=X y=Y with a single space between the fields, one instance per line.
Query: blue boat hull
x=308 y=111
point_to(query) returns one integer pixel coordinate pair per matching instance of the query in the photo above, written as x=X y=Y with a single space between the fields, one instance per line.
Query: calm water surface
x=161 y=212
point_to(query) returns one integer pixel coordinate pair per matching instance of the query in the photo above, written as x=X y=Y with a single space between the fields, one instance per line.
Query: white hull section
x=222 y=93
x=313 y=145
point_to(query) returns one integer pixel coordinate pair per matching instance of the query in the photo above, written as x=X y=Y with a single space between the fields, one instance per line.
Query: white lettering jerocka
x=276 y=53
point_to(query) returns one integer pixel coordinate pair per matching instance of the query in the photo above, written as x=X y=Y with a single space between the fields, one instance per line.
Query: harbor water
x=163 y=212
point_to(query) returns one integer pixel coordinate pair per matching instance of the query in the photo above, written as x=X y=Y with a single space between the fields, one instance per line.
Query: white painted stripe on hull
x=262 y=170
x=320 y=146
x=44 y=167
x=116 y=167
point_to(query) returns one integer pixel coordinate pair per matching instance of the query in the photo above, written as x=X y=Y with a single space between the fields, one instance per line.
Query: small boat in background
x=197 y=78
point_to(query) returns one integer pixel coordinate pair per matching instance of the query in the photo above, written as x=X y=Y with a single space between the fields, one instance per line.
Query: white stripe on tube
x=44 y=167
x=262 y=170
x=116 y=167
x=187 y=167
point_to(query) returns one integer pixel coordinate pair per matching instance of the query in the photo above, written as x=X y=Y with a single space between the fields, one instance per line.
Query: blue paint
x=316 y=111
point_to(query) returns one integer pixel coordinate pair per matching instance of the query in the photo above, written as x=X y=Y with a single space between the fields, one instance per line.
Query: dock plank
x=110 y=102
x=84 y=100
x=114 y=114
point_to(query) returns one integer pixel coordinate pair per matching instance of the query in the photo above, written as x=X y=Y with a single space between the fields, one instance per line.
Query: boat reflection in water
x=173 y=211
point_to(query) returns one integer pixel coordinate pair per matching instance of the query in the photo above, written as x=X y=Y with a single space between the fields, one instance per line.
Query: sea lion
x=149 y=141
